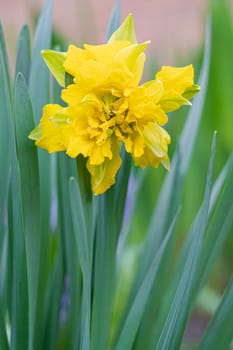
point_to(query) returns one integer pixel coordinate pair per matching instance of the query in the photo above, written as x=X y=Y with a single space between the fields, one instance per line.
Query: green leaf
x=39 y=89
x=23 y=58
x=121 y=188
x=4 y=149
x=219 y=332
x=4 y=60
x=67 y=169
x=19 y=309
x=218 y=229
x=19 y=288
x=29 y=184
x=114 y=20
x=129 y=327
x=3 y=335
x=39 y=77
x=182 y=300
x=54 y=61
x=53 y=306
x=81 y=235
x=104 y=274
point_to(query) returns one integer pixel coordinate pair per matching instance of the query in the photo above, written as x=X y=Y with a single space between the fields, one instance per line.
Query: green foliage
x=73 y=273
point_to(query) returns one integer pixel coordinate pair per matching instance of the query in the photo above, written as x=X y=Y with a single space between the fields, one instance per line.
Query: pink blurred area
x=175 y=27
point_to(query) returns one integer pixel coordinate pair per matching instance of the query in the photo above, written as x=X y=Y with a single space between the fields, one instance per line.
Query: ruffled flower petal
x=103 y=176
x=55 y=128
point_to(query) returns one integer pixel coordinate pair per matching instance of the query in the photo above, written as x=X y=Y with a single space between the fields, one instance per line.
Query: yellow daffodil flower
x=107 y=106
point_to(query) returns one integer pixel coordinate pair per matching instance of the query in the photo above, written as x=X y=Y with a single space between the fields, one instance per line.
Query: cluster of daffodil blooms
x=106 y=106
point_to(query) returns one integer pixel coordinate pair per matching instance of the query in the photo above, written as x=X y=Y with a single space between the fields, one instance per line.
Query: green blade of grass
x=132 y=320
x=67 y=169
x=114 y=20
x=173 y=328
x=6 y=112
x=81 y=235
x=3 y=335
x=104 y=274
x=39 y=77
x=121 y=188
x=219 y=332
x=19 y=309
x=23 y=59
x=53 y=303
x=6 y=249
x=40 y=95
x=221 y=181
x=4 y=153
x=218 y=230
x=29 y=177
x=216 y=234
x=39 y=89
x=18 y=293
x=5 y=61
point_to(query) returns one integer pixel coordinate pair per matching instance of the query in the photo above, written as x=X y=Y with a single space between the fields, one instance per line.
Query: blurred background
x=176 y=29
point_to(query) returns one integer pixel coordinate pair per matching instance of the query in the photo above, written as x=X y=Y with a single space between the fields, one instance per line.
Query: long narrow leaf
x=29 y=177
x=23 y=58
x=174 y=325
x=104 y=270
x=19 y=310
x=39 y=89
x=3 y=334
x=67 y=169
x=81 y=234
x=129 y=328
x=4 y=60
x=39 y=77
x=4 y=151
x=115 y=19
x=219 y=333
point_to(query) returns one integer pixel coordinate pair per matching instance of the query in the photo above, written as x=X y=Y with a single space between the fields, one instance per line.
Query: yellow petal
x=176 y=79
x=75 y=57
x=79 y=145
x=82 y=144
x=144 y=102
x=55 y=133
x=172 y=101
x=134 y=144
x=103 y=176
x=178 y=86
x=156 y=139
x=106 y=52
x=134 y=58
x=125 y=32
x=72 y=95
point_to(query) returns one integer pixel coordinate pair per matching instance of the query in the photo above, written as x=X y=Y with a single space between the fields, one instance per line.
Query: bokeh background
x=175 y=27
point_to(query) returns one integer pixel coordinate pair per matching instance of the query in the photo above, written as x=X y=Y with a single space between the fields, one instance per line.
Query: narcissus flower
x=106 y=106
